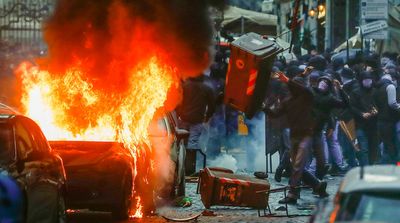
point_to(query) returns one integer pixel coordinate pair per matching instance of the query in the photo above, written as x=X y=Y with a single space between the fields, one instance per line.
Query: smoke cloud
x=111 y=36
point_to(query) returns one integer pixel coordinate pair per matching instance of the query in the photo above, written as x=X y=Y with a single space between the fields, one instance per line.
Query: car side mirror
x=182 y=134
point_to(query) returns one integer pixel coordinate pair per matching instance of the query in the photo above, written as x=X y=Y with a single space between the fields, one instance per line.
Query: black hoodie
x=325 y=102
x=362 y=101
x=386 y=112
x=198 y=102
x=298 y=109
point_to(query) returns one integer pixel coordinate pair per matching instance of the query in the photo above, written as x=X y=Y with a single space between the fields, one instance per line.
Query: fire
x=68 y=108
x=112 y=67
x=139 y=208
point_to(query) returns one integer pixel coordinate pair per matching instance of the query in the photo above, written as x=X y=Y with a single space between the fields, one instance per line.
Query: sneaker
x=337 y=171
x=286 y=173
x=321 y=190
x=278 y=174
x=320 y=175
x=288 y=200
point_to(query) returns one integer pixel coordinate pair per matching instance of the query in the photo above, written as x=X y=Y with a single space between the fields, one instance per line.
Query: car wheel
x=123 y=209
x=62 y=210
x=181 y=171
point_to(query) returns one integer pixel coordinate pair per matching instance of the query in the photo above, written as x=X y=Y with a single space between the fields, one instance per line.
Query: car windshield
x=368 y=207
x=6 y=144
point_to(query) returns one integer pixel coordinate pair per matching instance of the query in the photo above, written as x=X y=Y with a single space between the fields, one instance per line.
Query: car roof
x=6 y=112
x=376 y=178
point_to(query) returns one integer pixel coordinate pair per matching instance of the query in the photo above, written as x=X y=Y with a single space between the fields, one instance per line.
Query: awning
x=237 y=20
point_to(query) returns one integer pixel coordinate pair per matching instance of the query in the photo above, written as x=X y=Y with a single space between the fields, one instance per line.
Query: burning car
x=368 y=194
x=27 y=157
x=101 y=175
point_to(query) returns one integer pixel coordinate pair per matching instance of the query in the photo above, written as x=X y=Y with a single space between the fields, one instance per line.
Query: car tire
x=123 y=209
x=62 y=210
x=180 y=171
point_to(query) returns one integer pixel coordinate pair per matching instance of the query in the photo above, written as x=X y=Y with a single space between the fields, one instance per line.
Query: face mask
x=367 y=83
x=323 y=86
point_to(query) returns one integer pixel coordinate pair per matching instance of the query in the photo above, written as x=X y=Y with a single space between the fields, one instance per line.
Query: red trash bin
x=249 y=71
x=220 y=187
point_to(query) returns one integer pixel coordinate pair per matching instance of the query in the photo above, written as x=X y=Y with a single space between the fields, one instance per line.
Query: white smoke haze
x=161 y=143
x=225 y=161
x=248 y=154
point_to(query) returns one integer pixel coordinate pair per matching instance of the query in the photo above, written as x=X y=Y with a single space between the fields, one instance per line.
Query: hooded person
x=313 y=78
x=349 y=81
x=197 y=107
x=298 y=109
x=293 y=71
x=349 y=84
x=373 y=65
x=365 y=116
x=325 y=100
x=318 y=62
x=385 y=99
x=337 y=64
x=332 y=146
x=277 y=131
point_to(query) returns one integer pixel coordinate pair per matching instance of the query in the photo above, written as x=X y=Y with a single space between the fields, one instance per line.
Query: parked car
x=369 y=194
x=100 y=173
x=26 y=156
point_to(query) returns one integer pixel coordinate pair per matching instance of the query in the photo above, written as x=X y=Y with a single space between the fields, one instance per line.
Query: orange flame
x=106 y=116
x=112 y=68
x=67 y=107
x=139 y=210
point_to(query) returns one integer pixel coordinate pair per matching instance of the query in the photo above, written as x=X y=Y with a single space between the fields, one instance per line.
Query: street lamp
x=321 y=8
x=311 y=12
x=321 y=11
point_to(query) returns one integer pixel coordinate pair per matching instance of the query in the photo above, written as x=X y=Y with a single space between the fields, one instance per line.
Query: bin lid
x=256 y=44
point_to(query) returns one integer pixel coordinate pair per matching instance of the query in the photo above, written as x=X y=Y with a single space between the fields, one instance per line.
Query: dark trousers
x=387 y=134
x=318 y=152
x=299 y=155
x=368 y=143
x=284 y=155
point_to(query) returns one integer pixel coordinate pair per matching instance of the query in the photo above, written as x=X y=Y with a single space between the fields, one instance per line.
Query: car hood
x=79 y=153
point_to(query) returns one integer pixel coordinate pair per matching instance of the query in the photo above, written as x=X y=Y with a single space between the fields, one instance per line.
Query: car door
x=7 y=149
x=51 y=167
x=40 y=171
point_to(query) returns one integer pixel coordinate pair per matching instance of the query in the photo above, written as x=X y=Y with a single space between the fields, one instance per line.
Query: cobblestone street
x=233 y=214
x=226 y=214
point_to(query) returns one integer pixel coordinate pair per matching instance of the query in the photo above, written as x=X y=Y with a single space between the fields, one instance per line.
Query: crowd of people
x=324 y=114
x=337 y=116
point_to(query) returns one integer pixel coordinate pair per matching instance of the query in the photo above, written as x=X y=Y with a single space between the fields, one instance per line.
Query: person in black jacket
x=196 y=108
x=298 y=109
x=349 y=84
x=365 y=116
x=388 y=111
x=324 y=102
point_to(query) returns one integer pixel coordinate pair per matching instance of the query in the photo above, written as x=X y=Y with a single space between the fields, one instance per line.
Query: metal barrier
x=21 y=22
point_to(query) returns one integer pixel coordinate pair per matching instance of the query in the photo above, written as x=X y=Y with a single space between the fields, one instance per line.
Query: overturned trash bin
x=249 y=72
x=221 y=187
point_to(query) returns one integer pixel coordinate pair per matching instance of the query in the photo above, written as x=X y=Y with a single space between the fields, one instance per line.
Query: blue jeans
x=332 y=149
x=195 y=131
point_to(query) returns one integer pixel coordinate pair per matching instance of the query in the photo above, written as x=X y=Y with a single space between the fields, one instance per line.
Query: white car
x=368 y=194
